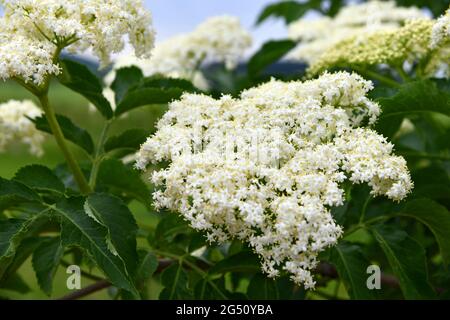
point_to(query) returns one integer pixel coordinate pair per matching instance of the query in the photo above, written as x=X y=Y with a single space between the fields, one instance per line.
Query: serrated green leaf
x=80 y=79
x=407 y=259
x=126 y=78
x=351 y=266
x=123 y=181
x=79 y=229
x=262 y=288
x=175 y=282
x=288 y=10
x=23 y=252
x=130 y=140
x=40 y=178
x=244 y=261
x=71 y=131
x=45 y=262
x=112 y=213
x=436 y=217
x=153 y=90
x=13 y=193
x=12 y=232
x=269 y=53
x=170 y=226
x=147 y=96
x=147 y=266
x=413 y=97
x=148 y=263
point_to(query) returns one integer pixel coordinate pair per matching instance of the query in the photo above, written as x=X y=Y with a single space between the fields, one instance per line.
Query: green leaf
x=148 y=263
x=125 y=79
x=153 y=90
x=15 y=283
x=130 y=140
x=80 y=79
x=288 y=10
x=45 y=261
x=113 y=214
x=413 y=97
x=79 y=229
x=12 y=232
x=23 y=252
x=407 y=259
x=71 y=131
x=351 y=266
x=244 y=261
x=270 y=53
x=207 y=289
x=262 y=288
x=39 y=178
x=170 y=226
x=436 y=217
x=175 y=282
x=13 y=193
x=123 y=181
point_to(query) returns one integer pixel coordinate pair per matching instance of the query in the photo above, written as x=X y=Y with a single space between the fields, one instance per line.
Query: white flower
x=218 y=39
x=97 y=25
x=26 y=59
x=266 y=167
x=441 y=30
x=356 y=20
x=16 y=127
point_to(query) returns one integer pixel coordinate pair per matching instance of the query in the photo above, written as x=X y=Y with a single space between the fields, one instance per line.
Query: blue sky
x=176 y=16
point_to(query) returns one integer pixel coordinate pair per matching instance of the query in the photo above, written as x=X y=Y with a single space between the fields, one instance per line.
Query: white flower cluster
x=321 y=35
x=220 y=39
x=33 y=29
x=441 y=30
x=26 y=59
x=266 y=167
x=15 y=125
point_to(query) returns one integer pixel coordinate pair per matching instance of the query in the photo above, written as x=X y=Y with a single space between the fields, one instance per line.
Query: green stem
x=365 y=224
x=191 y=265
x=98 y=155
x=402 y=74
x=60 y=140
x=364 y=209
x=379 y=77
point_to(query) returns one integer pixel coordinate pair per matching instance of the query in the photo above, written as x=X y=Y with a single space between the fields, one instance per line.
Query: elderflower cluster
x=34 y=30
x=407 y=43
x=266 y=167
x=441 y=30
x=16 y=126
x=219 y=39
x=357 y=20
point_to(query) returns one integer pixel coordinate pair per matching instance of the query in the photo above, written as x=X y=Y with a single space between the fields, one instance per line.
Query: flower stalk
x=60 y=140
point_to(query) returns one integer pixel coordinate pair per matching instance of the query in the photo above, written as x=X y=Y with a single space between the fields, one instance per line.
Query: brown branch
x=103 y=283
x=100 y=285
x=82 y=272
